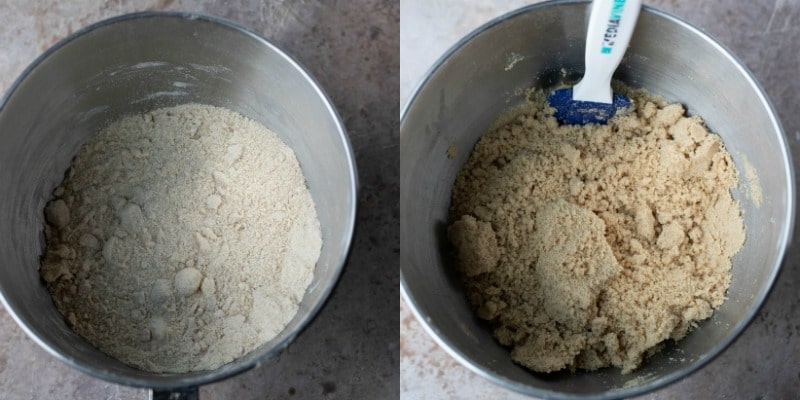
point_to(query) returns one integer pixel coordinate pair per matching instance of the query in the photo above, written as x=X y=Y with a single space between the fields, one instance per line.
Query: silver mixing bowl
x=133 y=64
x=470 y=85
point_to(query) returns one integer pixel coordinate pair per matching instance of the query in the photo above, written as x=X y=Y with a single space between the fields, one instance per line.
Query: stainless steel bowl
x=133 y=64
x=471 y=84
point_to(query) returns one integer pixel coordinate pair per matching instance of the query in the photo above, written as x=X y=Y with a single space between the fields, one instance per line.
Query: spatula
x=591 y=101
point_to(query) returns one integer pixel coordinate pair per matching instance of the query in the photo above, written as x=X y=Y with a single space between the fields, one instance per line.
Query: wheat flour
x=181 y=239
x=589 y=246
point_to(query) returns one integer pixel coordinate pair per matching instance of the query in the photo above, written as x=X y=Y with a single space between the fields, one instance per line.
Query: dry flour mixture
x=589 y=246
x=181 y=239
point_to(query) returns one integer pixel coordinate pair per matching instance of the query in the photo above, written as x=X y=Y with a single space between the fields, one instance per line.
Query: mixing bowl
x=536 y=47
x=133 y=64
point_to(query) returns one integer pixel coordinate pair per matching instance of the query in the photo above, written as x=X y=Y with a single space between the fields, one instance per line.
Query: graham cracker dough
x=589 y=246
x=181 y=239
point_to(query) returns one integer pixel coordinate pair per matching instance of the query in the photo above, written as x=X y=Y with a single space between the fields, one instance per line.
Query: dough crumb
x=187 y=281
x=452 y=152
x=476 y=243
x=589 y=246
x=57 y=213
x=575 y=260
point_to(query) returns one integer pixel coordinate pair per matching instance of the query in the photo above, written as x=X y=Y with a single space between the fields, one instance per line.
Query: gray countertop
x=763 y=363
x=351 y=349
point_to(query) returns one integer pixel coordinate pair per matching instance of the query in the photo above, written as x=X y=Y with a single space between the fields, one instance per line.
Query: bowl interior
x=473 y=83
x=134 y=64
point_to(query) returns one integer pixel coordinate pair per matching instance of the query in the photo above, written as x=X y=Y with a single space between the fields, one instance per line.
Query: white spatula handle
x=611 y=25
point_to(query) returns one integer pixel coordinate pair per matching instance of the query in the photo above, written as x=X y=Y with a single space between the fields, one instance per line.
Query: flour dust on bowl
x=460 y=99
x=169 y=74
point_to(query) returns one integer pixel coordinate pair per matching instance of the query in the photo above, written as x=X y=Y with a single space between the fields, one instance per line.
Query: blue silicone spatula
x=591 y=101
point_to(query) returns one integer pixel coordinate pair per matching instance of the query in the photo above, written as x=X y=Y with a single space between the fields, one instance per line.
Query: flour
x=181 y=239
x=589 y=246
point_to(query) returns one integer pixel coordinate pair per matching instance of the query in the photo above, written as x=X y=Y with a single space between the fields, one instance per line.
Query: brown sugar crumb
x=589 y=246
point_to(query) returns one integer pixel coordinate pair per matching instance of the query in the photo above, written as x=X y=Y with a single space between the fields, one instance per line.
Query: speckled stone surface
x=763 y=363
x=351 y=350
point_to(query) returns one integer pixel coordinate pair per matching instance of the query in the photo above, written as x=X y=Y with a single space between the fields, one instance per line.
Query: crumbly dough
x=589 y=246
x=181 y=239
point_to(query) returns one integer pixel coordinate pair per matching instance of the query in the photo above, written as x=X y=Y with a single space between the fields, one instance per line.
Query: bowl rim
x=204 y=377
x=785 y=234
